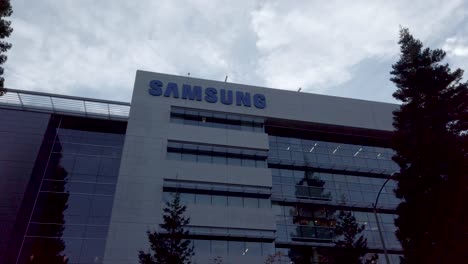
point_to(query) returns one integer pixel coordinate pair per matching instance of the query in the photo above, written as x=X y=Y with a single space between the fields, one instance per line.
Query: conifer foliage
x=5 y=31
x=171 y=245
x=430 y=140
x=351 y=245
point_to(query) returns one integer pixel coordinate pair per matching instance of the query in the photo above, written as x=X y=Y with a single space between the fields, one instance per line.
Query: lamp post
x=374 y=205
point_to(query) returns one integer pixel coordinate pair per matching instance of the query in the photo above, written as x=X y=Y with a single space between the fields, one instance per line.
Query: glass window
x=92 y=251
x=254 y=248
x=109 y=166
x=167 y=196
x=204 y=158
x=78 y=187
x=86 y=165
x=236 y=248
x=203 y=198
x=267 y=249
x=107 y=189
x=250 y=202
x=187 y=198
x=189 y=157
x=219 y=200
x=101 y=205
x=234 y=161
x=264 y=203
x=76 y=204
x=235 y=201
x=278 y=209
x=260 y=164
x=202 y=246
x=218 y=247
x=284 y=154
x=219 y=159
x=96 y=231
x=174 y=155
x=248 y=162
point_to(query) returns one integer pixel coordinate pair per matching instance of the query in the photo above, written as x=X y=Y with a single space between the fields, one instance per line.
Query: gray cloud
x=93 y=48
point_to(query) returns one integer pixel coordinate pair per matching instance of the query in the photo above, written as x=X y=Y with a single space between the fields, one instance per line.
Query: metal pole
x=377 y=219
x=381 y=236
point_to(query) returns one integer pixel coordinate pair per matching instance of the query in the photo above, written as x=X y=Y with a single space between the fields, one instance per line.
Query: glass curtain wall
x=313 y=180
x=72 y=210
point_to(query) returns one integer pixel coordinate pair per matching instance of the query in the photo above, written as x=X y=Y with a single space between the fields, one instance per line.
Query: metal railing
x=63 y=104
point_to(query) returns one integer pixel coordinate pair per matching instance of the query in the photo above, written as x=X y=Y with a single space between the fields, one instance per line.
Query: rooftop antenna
x=188 y=74
x=225 y=79
x=300 y=88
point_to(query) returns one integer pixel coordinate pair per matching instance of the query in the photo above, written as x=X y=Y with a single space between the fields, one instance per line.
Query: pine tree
x=430 y=140
x=351 y=247
x=170 y=246
x=5 y=31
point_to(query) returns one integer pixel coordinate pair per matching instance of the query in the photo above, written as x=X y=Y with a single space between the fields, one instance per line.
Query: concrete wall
x=137 y=206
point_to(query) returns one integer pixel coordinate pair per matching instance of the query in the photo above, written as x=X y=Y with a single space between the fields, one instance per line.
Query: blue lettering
x=155 y=88
x=173 y=89
x=210 y=95
x=187 y=92
x=224 y=100
x=243 y=99
x=259 y=101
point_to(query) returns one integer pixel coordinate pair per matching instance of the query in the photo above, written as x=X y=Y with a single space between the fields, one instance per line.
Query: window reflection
x=231 y=248
x=71 y=216
x=305 y=222
x=314 y=153
x=216 y=120
x=219 y=200
x=313 y=185
x=216 y=155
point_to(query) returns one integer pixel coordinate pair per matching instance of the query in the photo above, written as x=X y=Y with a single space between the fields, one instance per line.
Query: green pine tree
x=170 y=246
x=431 y=144
x=351 y=245
x=5 y=31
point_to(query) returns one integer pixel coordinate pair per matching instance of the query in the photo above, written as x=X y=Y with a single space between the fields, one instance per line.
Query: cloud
x=457 y=52
x=457 y=47
x=93 y=48
x=315 y=45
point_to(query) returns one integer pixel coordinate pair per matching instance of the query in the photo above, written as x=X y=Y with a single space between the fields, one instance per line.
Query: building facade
x=262 y=171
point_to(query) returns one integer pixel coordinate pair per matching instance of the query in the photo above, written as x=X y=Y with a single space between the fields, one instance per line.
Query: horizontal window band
x=226 y=192
x=191 y=151
x=209 y=119
x=87 y=194
x=72 y=181
x=215 y=147
x=63 y=237
x=216 y=187
x=329 y=167
x=364 y=207
x=181 y=111
x=231 y=237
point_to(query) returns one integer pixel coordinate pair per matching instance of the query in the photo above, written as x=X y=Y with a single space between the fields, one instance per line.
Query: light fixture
x=312 y=148
x=336 y=149
x=288 y=148
x=357 y=152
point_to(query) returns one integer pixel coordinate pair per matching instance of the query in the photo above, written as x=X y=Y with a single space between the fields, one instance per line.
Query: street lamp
x=374 y=205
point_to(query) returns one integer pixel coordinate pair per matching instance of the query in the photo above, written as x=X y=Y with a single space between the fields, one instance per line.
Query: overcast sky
x=93 y=48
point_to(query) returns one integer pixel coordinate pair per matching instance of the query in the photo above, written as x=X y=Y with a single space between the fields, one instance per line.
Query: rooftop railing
x=63 y=104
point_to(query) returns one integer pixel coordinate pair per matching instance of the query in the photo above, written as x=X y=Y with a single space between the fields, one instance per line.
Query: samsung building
x=261 y=171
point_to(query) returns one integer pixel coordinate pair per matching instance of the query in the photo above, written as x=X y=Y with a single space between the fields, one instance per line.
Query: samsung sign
x=209 y=94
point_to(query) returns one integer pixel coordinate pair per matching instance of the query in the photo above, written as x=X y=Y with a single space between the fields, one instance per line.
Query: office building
x=261 y=171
